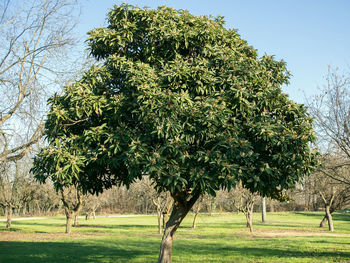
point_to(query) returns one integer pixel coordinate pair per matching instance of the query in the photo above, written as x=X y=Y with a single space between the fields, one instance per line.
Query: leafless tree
x=244 y=201
x=331 y=111
x=92 y=203
x=17 y=188
x=36 y=58
x=209 y=202
x=327 y=192
x=334 y=193
x=46 y=200
x=163 y=203
x=144 y=192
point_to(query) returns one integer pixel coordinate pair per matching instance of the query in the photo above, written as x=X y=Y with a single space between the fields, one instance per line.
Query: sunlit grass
x=286 y=237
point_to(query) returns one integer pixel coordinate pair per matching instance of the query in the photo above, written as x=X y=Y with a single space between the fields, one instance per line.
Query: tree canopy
x=182 y=99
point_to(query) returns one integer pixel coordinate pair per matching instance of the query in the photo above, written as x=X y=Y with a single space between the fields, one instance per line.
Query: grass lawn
x=286 y=237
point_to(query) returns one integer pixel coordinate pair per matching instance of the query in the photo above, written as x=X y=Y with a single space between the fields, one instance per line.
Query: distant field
x=286 y=237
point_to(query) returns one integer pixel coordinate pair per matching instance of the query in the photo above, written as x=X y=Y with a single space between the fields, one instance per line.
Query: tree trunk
x=93 y=215
x=177 y=215
x=194 y=224
x=263 y=209
x=159 y=215
x=76 y=220
x=9 y=217
x=69 y=224
x=249 y=217
x=165 y=219
x=323 y=222
x=329 y=218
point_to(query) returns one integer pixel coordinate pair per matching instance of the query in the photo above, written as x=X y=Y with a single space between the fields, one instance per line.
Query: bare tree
x=36 y=57
x=244 y=201
x=331 y=111
x=334 y=193
x=340 y=200
x=143 y=191
x=328 y=198
x=163 y=203
x=16 y=187
x=46 y=200
x=92 y=203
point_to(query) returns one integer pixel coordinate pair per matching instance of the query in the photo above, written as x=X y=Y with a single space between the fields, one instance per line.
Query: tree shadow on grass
x=76 y=252
x=82 y=224
x=331 y=242
x=147 y=251
x=38 y=223
x=217 y=251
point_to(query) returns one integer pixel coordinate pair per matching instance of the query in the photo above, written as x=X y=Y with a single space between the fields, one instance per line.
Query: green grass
x=286 y=237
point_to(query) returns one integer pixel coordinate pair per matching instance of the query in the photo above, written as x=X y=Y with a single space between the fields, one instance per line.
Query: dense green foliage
x=181 y=99
x=287 y=237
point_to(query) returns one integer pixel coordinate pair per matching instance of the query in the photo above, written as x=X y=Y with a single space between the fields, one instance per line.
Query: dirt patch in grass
x=98 y=226
x=260 y=233
x=20 y=236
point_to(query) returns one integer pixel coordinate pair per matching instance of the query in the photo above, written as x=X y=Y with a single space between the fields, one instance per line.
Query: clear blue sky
x=308 y=34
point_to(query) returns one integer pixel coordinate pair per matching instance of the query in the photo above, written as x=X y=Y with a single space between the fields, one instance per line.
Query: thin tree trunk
x=328 y=205
x=77 y=210
x=250 y=225
x=159 y=215
x=194 y=224
x=323 y=222
x=330 y=219
x=165 y=219
x=69 y=220
x=9 y=217
x=76 y=220
x=249 y=217
x=263 y=209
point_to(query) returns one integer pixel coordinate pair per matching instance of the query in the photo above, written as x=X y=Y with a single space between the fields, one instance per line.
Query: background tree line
x=29 y=198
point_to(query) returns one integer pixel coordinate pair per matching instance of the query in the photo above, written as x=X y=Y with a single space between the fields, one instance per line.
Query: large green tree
x=181 y=99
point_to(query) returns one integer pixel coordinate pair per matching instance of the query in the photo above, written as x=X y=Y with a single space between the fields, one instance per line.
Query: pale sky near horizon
x=308 y=35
